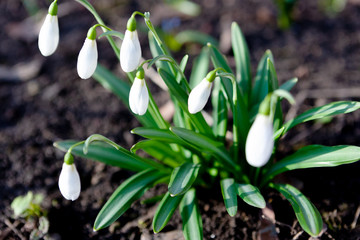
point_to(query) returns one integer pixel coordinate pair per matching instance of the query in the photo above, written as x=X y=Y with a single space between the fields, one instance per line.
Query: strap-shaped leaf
x=273 y=85
x=220 y=114
x=182 y=178
x=238 y=103
x=182 y=97
x=261 y=84
x=182 y=66
x=206 y=144
x=160 y=151
x=156 y=51
x=191 y=217
x=163 y=135
x=314 y=156
x=109 y=155
x=121 y=200
x=200 y=67
x=229 y=193
x=289 y=84
x=165 y=211
x=328 y=110
x=242 y=59
x=306 y=213
x=251 y=195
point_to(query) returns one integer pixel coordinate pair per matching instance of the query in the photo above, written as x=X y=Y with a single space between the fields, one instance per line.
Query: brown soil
x=43 y=100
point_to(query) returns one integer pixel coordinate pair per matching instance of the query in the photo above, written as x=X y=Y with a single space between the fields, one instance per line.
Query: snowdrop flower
x=88 y=56
x=49 y=32
x=130 y=51
x=199 y=95
x=260 y=142
x=69 y=180
x=139 y=95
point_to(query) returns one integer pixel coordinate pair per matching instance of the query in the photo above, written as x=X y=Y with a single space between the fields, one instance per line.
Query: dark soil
x=43 y=100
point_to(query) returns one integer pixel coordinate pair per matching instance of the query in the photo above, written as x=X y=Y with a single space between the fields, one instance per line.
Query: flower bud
x=139 y=95
x=199 y=96
x=260 y=142
x=130 y=51
x=49 y=32
x=87 y=59
x=69 y=182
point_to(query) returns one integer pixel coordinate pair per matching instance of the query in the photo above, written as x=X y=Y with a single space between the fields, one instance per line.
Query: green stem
x=92 y=10
x=138 y=13
x=256 y=177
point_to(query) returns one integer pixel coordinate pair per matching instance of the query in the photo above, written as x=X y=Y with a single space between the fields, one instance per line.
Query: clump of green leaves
x=29 y=208
x=186 y=152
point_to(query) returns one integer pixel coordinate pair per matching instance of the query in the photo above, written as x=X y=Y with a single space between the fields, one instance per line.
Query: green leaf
x=156 y=51
x=261 y=84
x=191 y=217
x=220 y=114
x=182 y=178
x=229 y=193
x=160 y=151
x=110 y=156
x=273 y=85
x=165 y=211
x=163 y=135
x=251 y=195
x=314 y=156
x=242 y=59
x=182 y=66
x=128 y=192
x=289 y=84
x=218 y=58
x=195 y=37
x=237 y=102
x=206 y=144
x=200 y=67
x=21 y=204
x=306 y=213
x=328 y=110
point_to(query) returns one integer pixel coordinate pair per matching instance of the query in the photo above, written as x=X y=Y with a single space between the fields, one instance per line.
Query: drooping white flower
x=87 y=59
x=260 y=142
x=130 y=51
x=69 y=182
x=49 y=35
x=139 y=96
x=199 y=96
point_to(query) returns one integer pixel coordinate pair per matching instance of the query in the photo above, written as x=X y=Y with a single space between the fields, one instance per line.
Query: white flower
x=87 y=59
x=199 y=96
x=49 y=35
x=139 y=97
x=260 y=142
x=69 y=182
x=130 y=51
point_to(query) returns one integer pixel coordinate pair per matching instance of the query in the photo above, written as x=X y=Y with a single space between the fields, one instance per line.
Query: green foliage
x=188 y=152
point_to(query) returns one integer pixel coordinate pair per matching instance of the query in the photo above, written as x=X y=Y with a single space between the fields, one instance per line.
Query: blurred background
x=43 y=100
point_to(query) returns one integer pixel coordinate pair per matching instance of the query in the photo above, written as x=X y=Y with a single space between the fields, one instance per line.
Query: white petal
x=199 y=96
x=139 y=97
x=260 y=142
x=69 y=182
x=87 y=59
x=130 y=51
x=49 y=35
